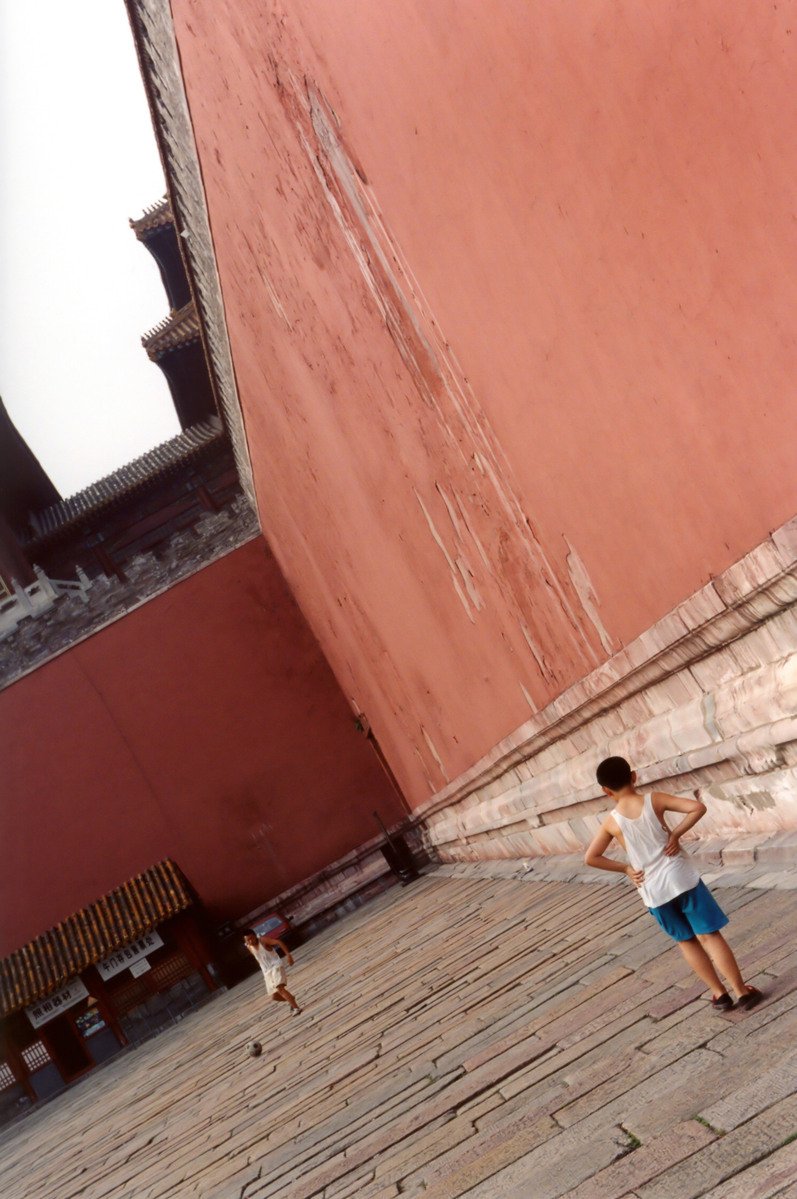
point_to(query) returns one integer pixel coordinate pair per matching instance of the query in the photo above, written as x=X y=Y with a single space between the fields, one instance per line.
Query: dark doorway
x=68 y=1048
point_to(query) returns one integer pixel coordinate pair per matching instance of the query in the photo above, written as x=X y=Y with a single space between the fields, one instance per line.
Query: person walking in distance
x=670 y=886
x=264 y=950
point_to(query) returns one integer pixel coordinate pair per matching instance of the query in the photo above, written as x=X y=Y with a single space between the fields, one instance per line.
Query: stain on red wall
x=511 y=322
x=205 y=726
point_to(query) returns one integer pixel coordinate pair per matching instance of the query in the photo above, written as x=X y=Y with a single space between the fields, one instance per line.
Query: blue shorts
x=691 y=913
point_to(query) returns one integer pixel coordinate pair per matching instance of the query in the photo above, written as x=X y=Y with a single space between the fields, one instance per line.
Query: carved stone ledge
x=704 y=698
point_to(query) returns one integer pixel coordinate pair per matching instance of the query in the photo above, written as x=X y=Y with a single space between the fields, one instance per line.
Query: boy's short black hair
x=614 y=773
x=249 y=932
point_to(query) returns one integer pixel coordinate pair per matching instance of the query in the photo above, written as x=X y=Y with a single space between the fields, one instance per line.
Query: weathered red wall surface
x=510 y=297
x=204 y=726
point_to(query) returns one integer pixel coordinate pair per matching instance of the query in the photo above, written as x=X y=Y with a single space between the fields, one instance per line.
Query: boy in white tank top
x=264 y=951
x=666 y=878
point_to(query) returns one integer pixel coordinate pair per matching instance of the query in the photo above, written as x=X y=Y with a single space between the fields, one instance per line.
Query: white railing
x=31 y=601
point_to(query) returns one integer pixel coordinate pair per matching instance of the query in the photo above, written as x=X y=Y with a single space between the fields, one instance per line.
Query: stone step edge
x=760 y=861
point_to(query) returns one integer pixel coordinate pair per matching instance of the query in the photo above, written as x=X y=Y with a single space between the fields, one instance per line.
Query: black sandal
x=722 y=1003
x=750 y=1000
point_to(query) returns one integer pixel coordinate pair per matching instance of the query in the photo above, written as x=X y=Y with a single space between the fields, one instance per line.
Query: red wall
x=205 y=726
x=511 y=312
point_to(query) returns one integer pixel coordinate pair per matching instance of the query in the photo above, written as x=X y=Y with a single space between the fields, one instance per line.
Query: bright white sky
x=77 y=290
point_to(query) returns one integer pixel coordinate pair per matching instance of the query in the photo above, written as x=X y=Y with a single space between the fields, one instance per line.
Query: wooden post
x=190 y=941
x=97 y=988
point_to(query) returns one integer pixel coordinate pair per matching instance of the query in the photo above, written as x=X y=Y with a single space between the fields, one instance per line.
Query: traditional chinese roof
x=155 y=217
x=45 y=964
x=177 y=329
x=162 y=459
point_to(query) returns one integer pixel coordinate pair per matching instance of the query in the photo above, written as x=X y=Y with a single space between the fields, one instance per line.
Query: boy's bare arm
x=597 y=849
x=692 y=810
x=269 y=941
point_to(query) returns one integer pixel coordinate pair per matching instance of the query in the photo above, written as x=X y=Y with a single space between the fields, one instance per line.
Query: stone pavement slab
x=646 y=1162
x=773 y=1176
x=475 y=1035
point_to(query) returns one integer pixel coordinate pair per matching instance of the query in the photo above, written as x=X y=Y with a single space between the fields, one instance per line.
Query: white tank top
x=267 y=958
x=645 y=839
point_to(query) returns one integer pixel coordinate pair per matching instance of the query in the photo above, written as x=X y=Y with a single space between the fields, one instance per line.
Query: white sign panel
x=140 y=967
x=47 y=1009
x=124 y=958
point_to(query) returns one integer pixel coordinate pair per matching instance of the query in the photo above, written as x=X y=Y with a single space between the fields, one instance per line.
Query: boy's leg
x=275 y=995
x=702 y=965
x=286 y=996
x=723 y=958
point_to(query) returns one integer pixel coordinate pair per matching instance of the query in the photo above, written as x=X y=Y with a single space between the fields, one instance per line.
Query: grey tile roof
x=162 y=459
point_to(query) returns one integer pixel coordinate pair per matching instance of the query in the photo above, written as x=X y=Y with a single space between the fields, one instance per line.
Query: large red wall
x=510 y=306
x=204 y=726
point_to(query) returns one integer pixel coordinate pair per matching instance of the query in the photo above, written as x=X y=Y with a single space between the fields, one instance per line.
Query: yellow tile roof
x=46 y=963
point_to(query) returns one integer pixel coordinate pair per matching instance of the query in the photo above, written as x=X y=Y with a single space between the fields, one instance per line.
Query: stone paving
x=470 y=1035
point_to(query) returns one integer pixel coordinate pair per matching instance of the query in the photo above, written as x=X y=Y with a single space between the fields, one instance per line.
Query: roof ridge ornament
x=155 y=216
x=179 y=328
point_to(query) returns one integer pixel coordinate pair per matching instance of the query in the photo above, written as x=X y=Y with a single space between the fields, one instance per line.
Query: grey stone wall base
x=766 y=863
x=333 y=890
